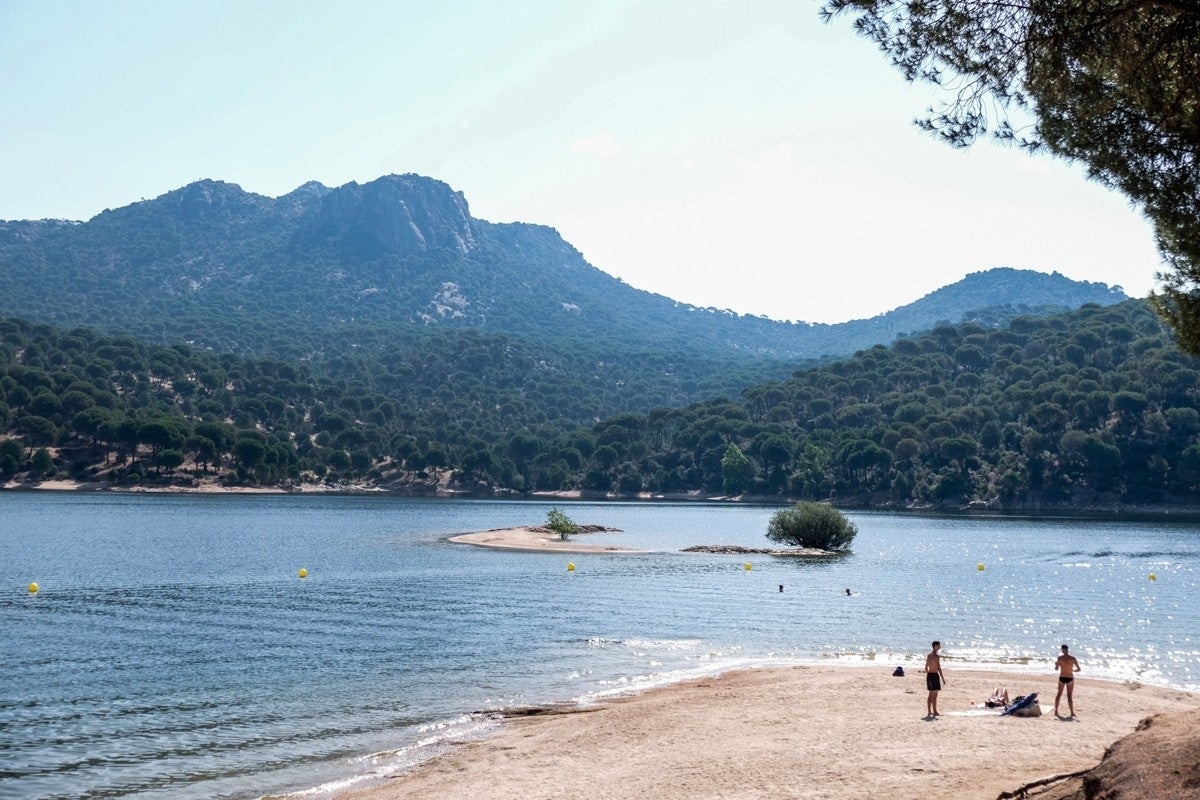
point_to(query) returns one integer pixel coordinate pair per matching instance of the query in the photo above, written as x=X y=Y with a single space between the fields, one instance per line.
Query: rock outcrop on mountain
x=404 y=215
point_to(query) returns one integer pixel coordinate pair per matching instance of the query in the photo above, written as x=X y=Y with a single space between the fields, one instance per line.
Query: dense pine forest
x=1090 y=409
x=120 y=410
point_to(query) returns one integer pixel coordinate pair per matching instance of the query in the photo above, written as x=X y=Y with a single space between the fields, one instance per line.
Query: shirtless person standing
x=1067 y=666
x=934 y=679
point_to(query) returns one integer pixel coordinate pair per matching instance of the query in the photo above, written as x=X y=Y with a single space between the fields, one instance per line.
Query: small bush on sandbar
x=560 y=523
x=815 y=525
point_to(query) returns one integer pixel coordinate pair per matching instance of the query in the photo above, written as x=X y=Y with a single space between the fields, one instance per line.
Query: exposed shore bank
x=443 y=491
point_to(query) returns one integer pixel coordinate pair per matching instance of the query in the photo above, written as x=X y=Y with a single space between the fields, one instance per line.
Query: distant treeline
x=1089 y=409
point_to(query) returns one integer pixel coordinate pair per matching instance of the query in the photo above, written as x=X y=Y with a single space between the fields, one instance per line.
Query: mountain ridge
x=208 y=261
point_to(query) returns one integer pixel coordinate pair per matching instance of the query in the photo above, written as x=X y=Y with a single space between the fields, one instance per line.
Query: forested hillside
x=432 y=399
x=1092 y=409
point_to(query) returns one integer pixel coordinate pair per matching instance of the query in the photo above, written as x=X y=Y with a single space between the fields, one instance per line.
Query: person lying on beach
x=998 y=699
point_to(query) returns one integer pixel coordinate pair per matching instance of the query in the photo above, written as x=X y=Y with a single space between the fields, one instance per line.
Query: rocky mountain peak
x=208 y=192
x=402 y=214
x=302 y=199
x=205 y=201
x=311 y=187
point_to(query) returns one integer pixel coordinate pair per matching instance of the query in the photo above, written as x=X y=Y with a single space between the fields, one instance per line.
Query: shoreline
x=1136 y=512
x=827 y=732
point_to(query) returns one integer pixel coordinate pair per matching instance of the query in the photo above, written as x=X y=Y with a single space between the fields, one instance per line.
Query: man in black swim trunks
x=1067 y=666
x=934 y=679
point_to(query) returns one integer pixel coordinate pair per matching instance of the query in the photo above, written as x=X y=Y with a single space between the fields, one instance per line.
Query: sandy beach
x=535 y=539
x=829 y=732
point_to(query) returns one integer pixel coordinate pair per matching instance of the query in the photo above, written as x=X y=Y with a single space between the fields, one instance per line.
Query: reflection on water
x=174 y=651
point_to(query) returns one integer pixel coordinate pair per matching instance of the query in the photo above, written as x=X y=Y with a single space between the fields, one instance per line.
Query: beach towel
x=1024 y=706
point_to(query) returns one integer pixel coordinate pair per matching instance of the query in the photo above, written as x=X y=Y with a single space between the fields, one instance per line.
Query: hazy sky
x=739 y=155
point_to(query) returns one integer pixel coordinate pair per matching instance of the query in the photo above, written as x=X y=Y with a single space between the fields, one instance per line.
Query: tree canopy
x=560 y=523
x=815 y=525
x=1114 y=84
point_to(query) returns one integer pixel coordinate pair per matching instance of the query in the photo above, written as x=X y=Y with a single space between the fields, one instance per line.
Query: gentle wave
x=1174 y=555
x=373 y=768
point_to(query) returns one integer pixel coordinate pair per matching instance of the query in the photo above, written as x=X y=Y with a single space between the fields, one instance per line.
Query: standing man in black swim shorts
x=1067 y=666
x=934 y=679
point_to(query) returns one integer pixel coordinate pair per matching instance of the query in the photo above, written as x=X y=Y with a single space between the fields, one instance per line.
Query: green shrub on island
x=816 y=525
x=560 y=523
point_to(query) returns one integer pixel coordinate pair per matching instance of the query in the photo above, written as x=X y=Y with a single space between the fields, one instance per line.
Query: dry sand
x=828 y=732
x=534 y=539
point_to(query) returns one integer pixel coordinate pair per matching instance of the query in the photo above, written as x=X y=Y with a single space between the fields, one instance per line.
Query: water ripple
x=174 y=653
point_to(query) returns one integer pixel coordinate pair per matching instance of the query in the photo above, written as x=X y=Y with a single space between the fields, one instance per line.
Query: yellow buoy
x=303 y=572
x=749 y=566
x=1153 y=577
x=980 y=568
x=33 y=588
x=570 y=566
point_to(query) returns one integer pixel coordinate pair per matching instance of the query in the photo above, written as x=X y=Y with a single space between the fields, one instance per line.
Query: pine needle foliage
x=1111 y=84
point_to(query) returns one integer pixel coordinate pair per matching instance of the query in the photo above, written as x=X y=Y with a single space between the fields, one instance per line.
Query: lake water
x=173 y=651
